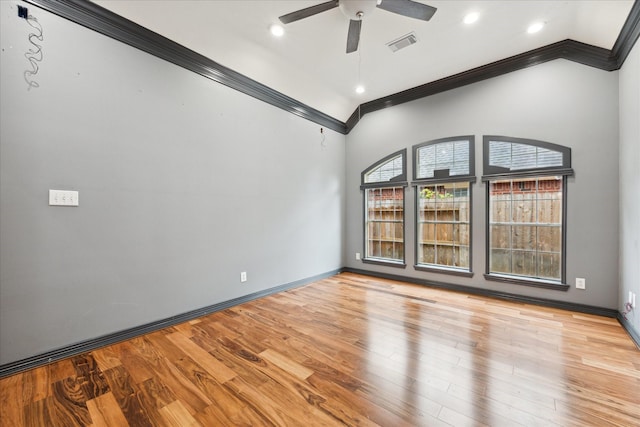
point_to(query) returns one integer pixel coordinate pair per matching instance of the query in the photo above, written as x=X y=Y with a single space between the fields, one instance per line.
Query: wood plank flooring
x=348 y=350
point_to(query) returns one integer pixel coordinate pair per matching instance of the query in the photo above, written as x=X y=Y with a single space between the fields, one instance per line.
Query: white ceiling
x=309 y=62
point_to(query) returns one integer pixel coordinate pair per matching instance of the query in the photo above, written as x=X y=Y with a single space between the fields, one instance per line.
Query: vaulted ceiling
x=309 y=64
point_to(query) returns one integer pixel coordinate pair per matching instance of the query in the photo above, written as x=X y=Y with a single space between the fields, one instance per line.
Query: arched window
x=383 y=184
x=527 y=194
x=443 y=174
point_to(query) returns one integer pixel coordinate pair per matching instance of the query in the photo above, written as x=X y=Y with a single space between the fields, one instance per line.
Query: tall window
x=526 y=193
x=443 y=173
x=383 y=184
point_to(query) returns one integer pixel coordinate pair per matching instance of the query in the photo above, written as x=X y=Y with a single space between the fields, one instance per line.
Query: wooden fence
x=443 y=231
x=526 y=234
x=525 y=228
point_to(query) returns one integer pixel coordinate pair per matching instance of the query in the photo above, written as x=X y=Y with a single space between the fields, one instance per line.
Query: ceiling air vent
x=402 y=42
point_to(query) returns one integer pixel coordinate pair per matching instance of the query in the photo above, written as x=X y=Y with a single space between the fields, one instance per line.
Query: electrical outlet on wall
x=633 y=301
x=243 y=276
x=581 y=283
x=357 y=256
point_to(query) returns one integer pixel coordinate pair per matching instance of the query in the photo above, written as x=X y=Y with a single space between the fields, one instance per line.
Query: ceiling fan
x=355 y=10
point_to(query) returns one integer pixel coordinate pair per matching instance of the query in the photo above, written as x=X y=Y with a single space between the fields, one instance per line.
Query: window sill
x=527 y=282
x=385 y=262
x=443 y=270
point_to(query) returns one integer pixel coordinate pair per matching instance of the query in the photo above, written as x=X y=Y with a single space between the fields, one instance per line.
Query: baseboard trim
x=581 y=308
x=635 y=336
x=105 y=340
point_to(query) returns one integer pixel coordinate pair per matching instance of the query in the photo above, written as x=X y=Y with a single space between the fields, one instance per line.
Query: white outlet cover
x=580 y=283
x=358 y=256
x=633 y=303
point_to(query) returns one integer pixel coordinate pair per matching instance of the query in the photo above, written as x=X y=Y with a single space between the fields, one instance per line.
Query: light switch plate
x=63 y=198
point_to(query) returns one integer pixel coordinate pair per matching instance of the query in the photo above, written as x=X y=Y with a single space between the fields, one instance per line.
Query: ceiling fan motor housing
x=356 y=9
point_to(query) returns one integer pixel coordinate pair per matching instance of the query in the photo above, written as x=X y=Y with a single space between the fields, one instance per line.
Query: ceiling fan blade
x=353 y=38
x=308 y=11
x=409 y=8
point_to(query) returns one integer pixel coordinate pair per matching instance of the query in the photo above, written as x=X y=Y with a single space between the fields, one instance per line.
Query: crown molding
x=96 y=18
x=99 y=19
x=567 y=49
x=628 y=35
x=604 y=59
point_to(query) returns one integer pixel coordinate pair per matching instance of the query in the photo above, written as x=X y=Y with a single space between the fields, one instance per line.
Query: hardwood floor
x=348 y=350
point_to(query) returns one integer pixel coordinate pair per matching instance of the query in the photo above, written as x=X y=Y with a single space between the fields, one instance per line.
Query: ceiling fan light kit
x=357 y=10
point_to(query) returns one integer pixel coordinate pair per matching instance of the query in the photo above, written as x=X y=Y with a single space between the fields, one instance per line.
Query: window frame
x=443 y=176
x=397 y=181
x=495 y=173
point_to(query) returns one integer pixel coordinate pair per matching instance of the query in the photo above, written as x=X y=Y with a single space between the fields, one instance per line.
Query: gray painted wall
x=630 y=184
x=183 y=183
x=560 y=102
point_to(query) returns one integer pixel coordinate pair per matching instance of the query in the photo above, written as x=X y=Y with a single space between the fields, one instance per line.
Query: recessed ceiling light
x=535 y=27
x=359 y=89
x=277 y=30
x=470 y=18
